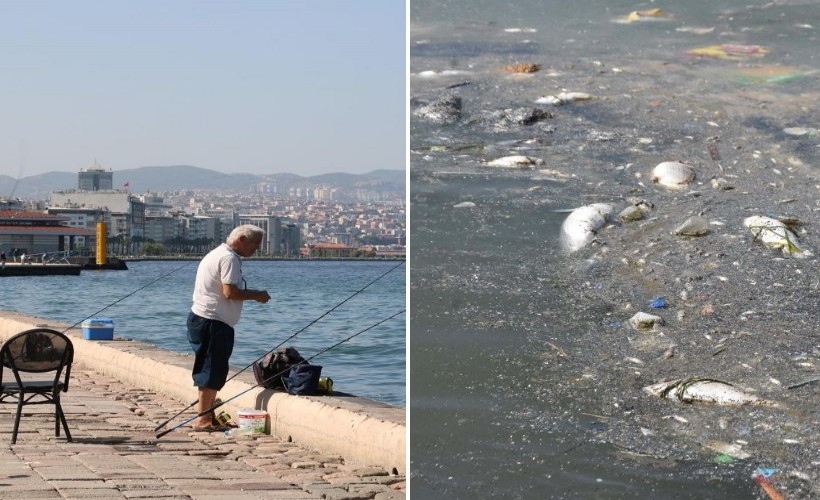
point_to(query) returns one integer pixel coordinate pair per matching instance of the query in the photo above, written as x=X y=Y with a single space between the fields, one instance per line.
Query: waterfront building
x=123 y=213
x=38 y=233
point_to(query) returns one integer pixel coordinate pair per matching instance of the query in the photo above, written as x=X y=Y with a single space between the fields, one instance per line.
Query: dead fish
x=515 y=161
x=693 y=226
x=563 y=98
x=703 y=390
x=673 y=174
x=645 y=321
x=775 y=234
x=579 y=228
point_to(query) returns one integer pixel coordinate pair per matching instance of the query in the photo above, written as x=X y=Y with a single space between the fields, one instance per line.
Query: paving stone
x=390 y=495
x=115 y=454
x=90 y=493
x=340 y=494
x=154 y=494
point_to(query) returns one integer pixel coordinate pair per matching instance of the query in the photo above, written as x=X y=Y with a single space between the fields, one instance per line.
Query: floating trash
x=731 y=52
x=657 y=303
x=775 y=234
x=578 y=229
x=563 y=98
x=697 y=30
x=703 y=390
x=655 y=14
x=673 y=174
x=515 y=161
x=464 y=204
x=644 y=321
x=444 y=110
x=631 y=213
x=693 y=226
x=800 y=131
x=430 y=73
x=768 y=73
x=521 y=68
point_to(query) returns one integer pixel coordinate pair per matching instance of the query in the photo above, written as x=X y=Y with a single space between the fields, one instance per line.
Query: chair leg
x=17 y=419
x=60 y=418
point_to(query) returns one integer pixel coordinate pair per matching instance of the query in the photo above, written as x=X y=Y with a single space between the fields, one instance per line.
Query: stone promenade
x=115 y=454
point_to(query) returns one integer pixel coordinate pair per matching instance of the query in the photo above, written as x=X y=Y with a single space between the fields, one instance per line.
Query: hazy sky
x=257 y=86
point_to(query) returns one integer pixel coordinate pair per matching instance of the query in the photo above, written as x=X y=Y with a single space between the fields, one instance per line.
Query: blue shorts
x=212 y=342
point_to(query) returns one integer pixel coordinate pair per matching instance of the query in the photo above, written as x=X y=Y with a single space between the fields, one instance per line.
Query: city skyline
x=241 y=87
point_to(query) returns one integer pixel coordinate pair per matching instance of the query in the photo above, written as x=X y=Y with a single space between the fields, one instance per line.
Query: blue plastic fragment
x=658 y=303
x=765 y=471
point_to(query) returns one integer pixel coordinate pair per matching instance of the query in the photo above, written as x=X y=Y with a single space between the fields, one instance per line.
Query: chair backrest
x=37 y=350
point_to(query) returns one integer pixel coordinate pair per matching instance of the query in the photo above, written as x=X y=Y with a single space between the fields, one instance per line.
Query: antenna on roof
x=20 y=169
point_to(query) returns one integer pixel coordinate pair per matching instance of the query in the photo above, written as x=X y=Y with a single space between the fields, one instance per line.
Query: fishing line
x=125 y=297
x=164 y=423
x=209 y=410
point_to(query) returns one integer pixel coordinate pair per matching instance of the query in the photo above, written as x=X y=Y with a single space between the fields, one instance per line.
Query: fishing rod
x=125 y=297
x=214 y=407
x=165 y=422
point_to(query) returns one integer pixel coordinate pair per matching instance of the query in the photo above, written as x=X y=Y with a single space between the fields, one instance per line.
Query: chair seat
x=33 y=386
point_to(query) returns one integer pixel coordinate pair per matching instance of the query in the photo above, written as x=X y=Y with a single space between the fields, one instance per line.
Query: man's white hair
x=246 y=230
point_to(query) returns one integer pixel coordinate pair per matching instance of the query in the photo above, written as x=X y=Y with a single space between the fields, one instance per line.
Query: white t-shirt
x=221 y=266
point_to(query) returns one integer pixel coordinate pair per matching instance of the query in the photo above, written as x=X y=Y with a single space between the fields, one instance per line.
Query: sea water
x=489 y=318
x=150 y=302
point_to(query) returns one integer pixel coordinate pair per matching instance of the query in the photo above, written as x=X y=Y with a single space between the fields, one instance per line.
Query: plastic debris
x=731 y=52
x=768 y=74
x=763 y=478
x=657 y=303
x=774 y=233
x=725 y=459
x=642 y=15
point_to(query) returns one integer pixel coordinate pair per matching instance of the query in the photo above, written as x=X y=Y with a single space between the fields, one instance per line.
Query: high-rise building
x=95 y=178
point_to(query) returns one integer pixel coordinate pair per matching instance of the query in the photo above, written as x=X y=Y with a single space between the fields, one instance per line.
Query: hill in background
x=184 y=177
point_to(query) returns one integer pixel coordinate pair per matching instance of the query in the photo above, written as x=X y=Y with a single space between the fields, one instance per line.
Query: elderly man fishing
x=219 y=291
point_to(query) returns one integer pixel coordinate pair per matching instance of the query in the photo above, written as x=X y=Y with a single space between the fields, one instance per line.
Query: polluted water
x=529 y=361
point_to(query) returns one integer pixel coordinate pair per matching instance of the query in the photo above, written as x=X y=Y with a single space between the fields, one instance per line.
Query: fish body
x=515 y=161
x=703 y=390
x=673 y=174
x=579 y=228
x=775 y=234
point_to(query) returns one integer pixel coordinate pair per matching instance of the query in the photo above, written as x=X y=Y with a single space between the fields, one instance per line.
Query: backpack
x=271 y=371
x=38 y=347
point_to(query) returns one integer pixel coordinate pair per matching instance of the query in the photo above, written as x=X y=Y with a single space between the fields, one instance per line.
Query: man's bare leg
x=206 y=401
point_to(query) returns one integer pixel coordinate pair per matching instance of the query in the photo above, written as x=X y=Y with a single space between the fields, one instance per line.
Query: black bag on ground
x=303 y=379
x=271 y=370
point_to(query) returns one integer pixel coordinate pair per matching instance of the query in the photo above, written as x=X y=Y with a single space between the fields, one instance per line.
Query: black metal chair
x=39 y=350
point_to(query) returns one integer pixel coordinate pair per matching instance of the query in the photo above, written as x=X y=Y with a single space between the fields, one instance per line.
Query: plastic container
x=98 y=329
x=253 y=420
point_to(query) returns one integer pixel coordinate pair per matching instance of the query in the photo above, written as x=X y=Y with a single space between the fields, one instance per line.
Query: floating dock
x=40 y=269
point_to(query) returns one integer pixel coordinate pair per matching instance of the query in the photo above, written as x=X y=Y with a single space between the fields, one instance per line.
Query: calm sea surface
x=371 y=365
